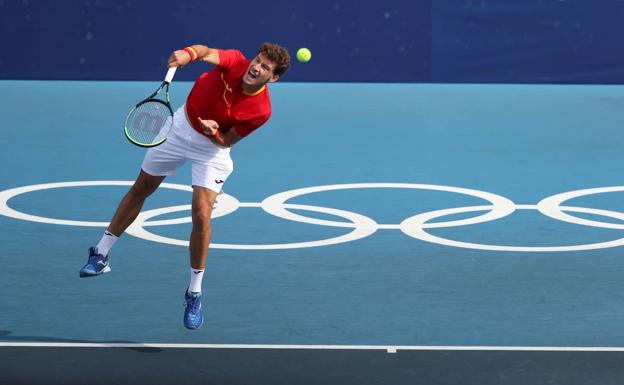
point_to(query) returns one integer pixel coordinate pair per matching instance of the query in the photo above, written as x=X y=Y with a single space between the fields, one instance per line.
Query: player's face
x=260 y=72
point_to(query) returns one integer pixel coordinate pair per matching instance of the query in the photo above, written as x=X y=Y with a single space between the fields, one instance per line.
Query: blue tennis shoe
x=193 y=317
x=96 y=265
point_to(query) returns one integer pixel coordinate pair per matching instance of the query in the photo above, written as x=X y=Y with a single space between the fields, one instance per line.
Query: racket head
x=148 y=123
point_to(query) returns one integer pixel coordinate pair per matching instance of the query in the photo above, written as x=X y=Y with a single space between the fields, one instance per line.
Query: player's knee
x=201 y=218
x=143 y=188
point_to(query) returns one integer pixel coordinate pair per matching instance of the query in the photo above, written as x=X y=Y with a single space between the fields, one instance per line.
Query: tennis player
x=225 y=105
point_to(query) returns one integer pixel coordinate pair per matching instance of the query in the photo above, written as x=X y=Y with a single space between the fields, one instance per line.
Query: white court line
x=388 y=348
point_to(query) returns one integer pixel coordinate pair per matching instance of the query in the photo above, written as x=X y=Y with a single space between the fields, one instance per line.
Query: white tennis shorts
x=211 y=164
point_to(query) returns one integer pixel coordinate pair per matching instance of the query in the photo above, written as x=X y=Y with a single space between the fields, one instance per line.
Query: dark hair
x=277 y=54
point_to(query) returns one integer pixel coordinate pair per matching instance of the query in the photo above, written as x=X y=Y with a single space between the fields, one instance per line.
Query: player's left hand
x=210 y=127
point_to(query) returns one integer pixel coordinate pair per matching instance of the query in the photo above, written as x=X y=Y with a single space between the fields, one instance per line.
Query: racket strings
x=149 y=123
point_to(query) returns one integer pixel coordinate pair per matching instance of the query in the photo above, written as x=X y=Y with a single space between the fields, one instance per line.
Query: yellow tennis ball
x=304 y=55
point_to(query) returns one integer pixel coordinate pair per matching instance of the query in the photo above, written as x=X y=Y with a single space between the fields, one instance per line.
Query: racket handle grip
x=170 y=74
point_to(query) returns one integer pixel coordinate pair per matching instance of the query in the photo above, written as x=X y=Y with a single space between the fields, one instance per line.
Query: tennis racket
x=149 y=122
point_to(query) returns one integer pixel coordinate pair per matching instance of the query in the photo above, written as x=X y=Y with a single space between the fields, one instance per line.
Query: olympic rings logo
x=360 y=226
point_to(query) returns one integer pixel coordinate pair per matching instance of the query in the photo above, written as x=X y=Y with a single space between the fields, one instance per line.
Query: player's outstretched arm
x=209 y=55
x=184 y=56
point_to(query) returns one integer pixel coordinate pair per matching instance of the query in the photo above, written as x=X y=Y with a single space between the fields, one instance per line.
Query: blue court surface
x=370 y=234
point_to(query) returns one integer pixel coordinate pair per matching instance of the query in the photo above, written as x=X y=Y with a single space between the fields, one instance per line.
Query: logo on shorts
x=219 y=181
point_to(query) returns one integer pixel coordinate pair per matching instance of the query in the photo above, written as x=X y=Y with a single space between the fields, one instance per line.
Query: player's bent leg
x=126 y=213
x=132 y=202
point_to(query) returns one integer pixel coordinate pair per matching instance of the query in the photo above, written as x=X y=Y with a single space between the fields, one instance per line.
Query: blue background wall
x=502 y=41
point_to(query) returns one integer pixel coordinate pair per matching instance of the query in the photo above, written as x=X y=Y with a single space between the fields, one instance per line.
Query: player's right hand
x=178 y=58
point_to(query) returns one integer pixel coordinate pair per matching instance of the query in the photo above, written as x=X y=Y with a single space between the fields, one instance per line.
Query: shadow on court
x=6 y=336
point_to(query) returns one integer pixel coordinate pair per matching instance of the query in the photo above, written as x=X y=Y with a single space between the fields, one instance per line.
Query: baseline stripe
x=389 y=348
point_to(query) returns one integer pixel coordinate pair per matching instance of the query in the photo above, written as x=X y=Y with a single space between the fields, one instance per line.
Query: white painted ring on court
x=551 y=207
x=414 y=227
x=275 y=204
x=226 y=205
x=363 y=227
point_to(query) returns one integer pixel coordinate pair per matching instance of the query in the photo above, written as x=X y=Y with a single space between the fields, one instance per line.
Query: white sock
x=106 y=243
x=196 y=281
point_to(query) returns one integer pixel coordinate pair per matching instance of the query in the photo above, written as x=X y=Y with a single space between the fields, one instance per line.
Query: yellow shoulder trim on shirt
x=255 y=93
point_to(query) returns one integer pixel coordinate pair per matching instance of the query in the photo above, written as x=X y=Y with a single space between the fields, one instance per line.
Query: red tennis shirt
x=218 y=95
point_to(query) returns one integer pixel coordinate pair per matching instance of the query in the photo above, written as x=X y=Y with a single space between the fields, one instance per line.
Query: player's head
x=269 y=64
